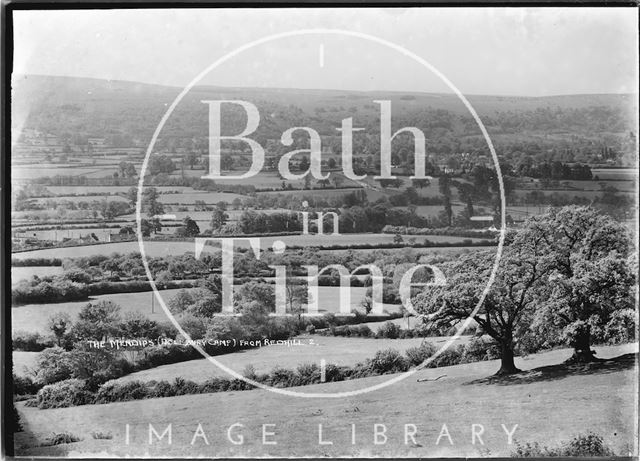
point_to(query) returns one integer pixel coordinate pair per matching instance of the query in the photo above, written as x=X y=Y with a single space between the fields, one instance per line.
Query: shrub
x=57 y=290
x=334 y=373
x=388 y=361
x=282 y=377
x=588 y=445
x=54 y=365
x=308 y=373
x=30 y=342
x=388 y=330
x=310 y=329
x=113 y=391
x=60 y=438
x=65 y=393
x=405 y=334
x=479 y=349
x=363 y=330
x=450 y=356
x=23 y=385
x=102 y=435
x=417 y=355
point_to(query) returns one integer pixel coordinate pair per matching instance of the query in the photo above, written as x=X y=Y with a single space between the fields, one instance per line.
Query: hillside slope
x=550 y=405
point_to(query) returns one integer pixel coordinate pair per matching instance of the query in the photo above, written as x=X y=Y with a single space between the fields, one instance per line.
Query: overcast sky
x=506 y=51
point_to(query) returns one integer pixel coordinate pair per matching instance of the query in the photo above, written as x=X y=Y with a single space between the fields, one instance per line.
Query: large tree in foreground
x=508 y=306
x=590 y=275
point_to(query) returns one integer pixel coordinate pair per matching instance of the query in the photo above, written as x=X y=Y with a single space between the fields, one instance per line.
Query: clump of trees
x=564 y=276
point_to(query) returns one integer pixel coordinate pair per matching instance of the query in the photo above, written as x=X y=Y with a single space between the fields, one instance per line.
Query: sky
x=494 y=51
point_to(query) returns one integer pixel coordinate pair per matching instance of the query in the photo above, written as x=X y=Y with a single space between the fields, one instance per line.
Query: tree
x=59 y=323
x=590 y=275
x=189 y=228
x=146 y=227
x=444 y=185
x=448 y=210
x=507 y=309
x=97 y=321
x=190 y=159
x=154 y=207
x=296 y=295
x=218 y=218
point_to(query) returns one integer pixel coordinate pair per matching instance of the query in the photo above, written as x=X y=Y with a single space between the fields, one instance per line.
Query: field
x=33 y=317
x=314 y=348
x=83 y=190
x=174 y=248
x=616 y=173
x=189 y=198
x=24 y=172
x=21 y=273
x=550 y=405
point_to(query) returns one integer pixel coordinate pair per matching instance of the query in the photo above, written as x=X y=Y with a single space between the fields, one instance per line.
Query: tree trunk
x=582 y=352
x=507 y=366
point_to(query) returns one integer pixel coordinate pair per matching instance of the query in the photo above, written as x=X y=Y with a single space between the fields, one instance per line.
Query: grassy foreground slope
x=343 y=351
x=549 y=403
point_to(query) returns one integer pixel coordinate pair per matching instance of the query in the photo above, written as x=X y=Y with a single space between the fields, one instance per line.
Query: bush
x=56 y=290
x=388 y=361
x=310 y=329
x=417 y=355
x=589 y=445
x=23 y=385
x=67 y=393
x=282 y=377
x=54 y=365
x=362 y=330
x=113 y=391
x=60 y=438
x=308 y=373
x=30 y=342
x=450 y=356
x=388 y=330
x=102 y=435
x=479 y=349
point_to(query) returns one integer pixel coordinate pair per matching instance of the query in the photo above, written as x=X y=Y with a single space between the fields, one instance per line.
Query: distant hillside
x=126 y=113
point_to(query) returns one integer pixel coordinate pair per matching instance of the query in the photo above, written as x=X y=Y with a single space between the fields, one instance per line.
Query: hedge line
x=73 y=392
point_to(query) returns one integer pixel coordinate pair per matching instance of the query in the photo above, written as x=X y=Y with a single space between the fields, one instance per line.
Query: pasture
x=615 y=173
x=33 y=317
x=25 y=172
x=93 y=190
x=189 y=198
x=312 y=349
x=158 y=248
x=20 y=273
x=550 y=405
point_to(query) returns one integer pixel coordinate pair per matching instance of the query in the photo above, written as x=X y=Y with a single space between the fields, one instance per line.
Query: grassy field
x=615 y=173
x=313 y=348
x=24 y=172
x=189 y=198
x=33 y=317
x=64 y=190
x=550 y=405
x=174 y=248
x=22 y=273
